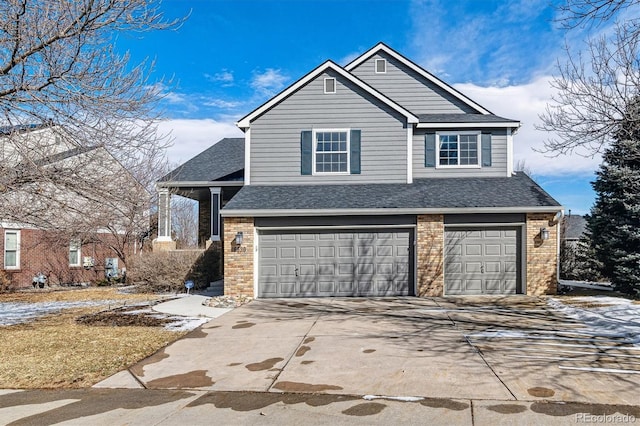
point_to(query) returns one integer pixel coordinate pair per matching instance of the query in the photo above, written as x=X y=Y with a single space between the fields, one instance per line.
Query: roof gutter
x=383 y=211
x=483 y=125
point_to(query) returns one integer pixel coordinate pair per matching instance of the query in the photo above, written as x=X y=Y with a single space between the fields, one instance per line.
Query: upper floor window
x=381 y=66
x=458 y=149
x=74 y=253
x=331 y=151
x=11 y=249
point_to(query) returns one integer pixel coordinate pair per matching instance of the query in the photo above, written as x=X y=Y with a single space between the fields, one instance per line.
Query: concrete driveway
x=504 y=349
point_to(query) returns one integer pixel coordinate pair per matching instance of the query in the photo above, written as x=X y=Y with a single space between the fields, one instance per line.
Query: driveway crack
x=293 y=354
x=479 y=352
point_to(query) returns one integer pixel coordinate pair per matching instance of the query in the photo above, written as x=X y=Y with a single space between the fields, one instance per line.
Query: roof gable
x=381 y=47
x=245 y=122
x=221 y=160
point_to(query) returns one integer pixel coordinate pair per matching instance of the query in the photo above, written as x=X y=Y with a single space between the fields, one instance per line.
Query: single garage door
x=334 y=263
x=482 y=261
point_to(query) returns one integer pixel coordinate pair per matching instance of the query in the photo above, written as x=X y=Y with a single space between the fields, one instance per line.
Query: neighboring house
x=373 y=179
x=573 y=226
x=71 y=225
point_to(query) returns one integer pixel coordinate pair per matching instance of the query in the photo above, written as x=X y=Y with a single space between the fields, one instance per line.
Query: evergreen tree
x=614 y=223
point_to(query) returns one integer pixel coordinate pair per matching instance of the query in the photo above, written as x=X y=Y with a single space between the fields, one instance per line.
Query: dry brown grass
x=55 y=351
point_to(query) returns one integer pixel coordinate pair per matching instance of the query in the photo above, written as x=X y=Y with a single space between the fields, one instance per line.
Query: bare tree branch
x=593 y=94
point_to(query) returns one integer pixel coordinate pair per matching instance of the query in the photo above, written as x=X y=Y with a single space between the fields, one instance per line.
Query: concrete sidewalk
x=190 y=305
x=111 y=407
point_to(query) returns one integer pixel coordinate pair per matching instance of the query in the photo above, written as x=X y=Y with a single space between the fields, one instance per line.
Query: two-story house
x=67 y=212
x=379 y=179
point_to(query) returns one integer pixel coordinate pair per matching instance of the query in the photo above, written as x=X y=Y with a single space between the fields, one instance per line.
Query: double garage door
x=335 y=263
x=482 y=261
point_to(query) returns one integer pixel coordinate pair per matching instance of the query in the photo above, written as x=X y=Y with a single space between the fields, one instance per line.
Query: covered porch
x=211 y=179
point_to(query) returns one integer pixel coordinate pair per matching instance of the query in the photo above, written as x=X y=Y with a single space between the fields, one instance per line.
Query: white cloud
x=525 y=102
x=269 y=82
x=224 y=77
x=221 y=103
x=191 y=137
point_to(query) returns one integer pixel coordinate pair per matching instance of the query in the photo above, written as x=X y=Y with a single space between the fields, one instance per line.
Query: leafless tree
x=184 y=222
x=594 y=86
x=60 y=71
x=577 y=13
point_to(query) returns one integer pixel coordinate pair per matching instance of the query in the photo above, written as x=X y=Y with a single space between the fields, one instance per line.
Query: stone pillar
x=542 y=255
x=238 y=259
x=164 y=241
x=430 y=255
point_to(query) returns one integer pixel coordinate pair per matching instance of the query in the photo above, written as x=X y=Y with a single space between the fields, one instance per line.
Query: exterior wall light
x=544 y=234
x=240 y=237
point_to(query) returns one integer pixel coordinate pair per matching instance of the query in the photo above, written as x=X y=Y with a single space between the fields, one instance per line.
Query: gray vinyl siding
x=275 y=135
x=408 y=88
x=498 y=166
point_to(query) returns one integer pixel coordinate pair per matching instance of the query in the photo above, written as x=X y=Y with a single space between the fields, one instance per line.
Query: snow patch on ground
x=12 y=313
x=606 y=316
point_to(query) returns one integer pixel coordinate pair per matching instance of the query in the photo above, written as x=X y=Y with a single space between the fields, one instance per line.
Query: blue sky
x=230 y=56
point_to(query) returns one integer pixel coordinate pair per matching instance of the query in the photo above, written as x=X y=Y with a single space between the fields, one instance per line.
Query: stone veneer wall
x=430 y=255
x=542 y=256
x=238 y=261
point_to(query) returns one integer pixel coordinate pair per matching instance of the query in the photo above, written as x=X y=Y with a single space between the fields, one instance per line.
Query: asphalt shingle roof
x=516 y=191
x=463 y=118
x=222 y=159
x=574 y=227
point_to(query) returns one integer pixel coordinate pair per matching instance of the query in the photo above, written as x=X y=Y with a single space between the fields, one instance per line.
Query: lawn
x=58 y=351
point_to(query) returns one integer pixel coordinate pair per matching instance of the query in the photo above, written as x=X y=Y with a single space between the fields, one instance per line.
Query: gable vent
x=330 y=85
x=381 y=66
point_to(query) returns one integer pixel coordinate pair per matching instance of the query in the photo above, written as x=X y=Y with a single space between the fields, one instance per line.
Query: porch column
x=164 y=241
x=215 y=213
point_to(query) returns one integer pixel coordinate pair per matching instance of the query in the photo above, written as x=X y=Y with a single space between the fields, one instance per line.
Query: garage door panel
x=287 y=287
x=493 y=250
x=365 y=251
x=473 y=250
x=345 y=252
x=327 y=287
x=492 y=267
x=288 y=270
x=510 y=249
x=307 y=252
x=386 y=250
x=384 y=268
x=327 y=252
x=346 y=287
x=482 y=261
x=287 y=253
x=307 y=269
x=341 y=263
x=365 y=287
x=308 y=287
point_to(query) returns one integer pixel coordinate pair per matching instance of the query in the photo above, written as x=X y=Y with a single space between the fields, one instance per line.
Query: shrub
x=5 y=283
x=167 y=271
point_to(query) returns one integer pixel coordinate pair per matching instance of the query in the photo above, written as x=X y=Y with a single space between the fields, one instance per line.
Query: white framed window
x=75 y=254
x=381 y=66
x=329 y=85
x=12 y=249
x=458 y=149
x=331 y=151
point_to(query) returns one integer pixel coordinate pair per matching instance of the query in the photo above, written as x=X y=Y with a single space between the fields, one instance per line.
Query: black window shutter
x=306 y=151
x=355 y=152
x=486 y=149
x=430 y=150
